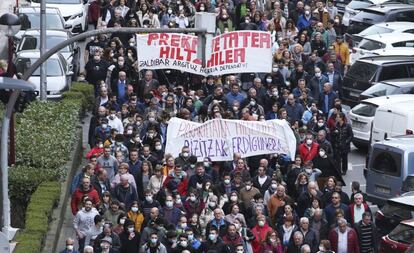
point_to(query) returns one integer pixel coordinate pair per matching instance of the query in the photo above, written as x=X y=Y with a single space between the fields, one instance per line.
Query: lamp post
x=9 y=26
x=15 y=86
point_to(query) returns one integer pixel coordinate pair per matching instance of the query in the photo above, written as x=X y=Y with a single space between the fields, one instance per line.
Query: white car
x=382 y=28
x=381 y=41
x=362 y=116
x=352 y=8
x=31 y=40
x=75 y=13
x=58 y=75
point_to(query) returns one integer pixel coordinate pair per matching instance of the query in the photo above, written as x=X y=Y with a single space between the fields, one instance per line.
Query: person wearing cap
x=342 y=49
x=107 y=233
x=105 y=245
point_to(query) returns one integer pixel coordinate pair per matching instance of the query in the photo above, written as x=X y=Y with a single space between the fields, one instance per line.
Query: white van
x=363 y=114
x=393 y=120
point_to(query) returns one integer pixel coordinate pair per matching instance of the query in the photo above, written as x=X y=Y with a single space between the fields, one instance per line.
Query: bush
x=45 y=133
x=38 y=215
x=88 y=92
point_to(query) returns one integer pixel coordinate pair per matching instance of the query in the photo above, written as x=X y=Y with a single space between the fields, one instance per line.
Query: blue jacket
x=294 y=112
x=303 y=23
x=67 y=251
x=331 y=101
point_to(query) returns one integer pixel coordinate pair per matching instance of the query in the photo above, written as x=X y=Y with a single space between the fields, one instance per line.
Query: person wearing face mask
x=170 y=213
x=317 y=82
x=193 y=205
x=96 y=69
x=135 y=214
x=259 y=231
x=309 y=148
x=304 y=21
x=183 y=244
x=247 y=24
x=248 y=192
x=153 y=244
x=105 y=245
x=213 y=242
x=69 y=246
x=270 y=191
x=130 y=238
x=169 y=15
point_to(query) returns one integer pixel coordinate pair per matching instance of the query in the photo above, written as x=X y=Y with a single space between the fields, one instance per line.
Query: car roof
x=384 y=8
x=379 y=59
x=404 y=200
x=34 y=53
x=389 y=99
x=37 y=10
x=403 y=82
x=49 y=32
x=396 y=25
x=390 y=37
x=404 y=142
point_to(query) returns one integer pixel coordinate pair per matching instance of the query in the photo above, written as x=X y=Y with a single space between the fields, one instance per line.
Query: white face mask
x=158 y=147
x=307 y=13
x=178 y=201
x=235 y=108
x=268 y=80
x=206 y=164
x=184 y=244
x=275 y=93
x=308 y=141
x=274 y=186
x=122 y=221
x=129 y=132
x=183 y=225
x=322 y=153
x=261 y=223
x=212 y=204
x=192 y=198
x=169 y=203
x=233 y=198
x=227 y=181
x=318 y=74
x=185 y=154
x=320 y=124
x=252 y=103
x=275 y=69
x=248 y=187
x=202 y=8
x=131 y=230
x=69 y=247
x=148 y=198
x=169 y=11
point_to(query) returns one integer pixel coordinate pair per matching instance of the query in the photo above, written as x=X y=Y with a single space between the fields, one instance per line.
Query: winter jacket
x=259 y=236
x=341 y=137
x=353 y=240
x=76 y=201
x=306 y=153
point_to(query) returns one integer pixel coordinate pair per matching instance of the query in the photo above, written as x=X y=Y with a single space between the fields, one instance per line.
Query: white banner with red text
x=219 y=139
x=233 y=52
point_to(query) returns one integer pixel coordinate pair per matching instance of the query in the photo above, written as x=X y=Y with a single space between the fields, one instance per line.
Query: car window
x=403 y=234
x=390 y=210
x=365 y=109
x=32 y=21
x=370 y=45
x=374 y=29
x=53 y=68
x=393 y=72
x=408 y=184
x=33 y=42
x=409 y=31
x=409 y=43
x=362 y=71
x=381 y=89
x=405 y=90
x=407 y=16
x=387 y=162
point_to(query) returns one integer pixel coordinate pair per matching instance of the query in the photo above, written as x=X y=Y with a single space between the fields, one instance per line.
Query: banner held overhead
x=218 y=139
x=233 y=52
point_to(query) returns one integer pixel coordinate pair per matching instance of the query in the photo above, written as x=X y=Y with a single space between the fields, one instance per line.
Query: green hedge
x=38 y=215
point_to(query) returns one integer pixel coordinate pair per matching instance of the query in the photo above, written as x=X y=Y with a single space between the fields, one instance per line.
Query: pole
x=3 y=162
x=43 y=81
x=11 y=72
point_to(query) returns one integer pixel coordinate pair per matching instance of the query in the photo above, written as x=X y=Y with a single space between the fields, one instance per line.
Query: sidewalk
x=67 y=226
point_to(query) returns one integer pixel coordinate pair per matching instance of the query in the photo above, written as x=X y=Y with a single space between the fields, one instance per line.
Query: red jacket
x=351 y=211
x=259 y=236
x=353 y=241
x=76 y=201
x=94 y=12
x=306 y=153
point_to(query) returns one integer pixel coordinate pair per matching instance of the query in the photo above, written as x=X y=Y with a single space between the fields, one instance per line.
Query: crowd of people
x=132 y=197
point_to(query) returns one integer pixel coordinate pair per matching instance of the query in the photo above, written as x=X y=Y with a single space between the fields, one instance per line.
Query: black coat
x=374 y=235
x=341 y=137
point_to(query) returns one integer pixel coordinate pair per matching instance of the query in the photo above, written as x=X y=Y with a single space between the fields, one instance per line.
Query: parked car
x=389 y=87
x=381 y=28
x=30 y=19
x=354 y=7
x=389 y=163
x=399 y=239
x=31 y=40
x=393 y=120
x=58 y=74
x=380 y=13
x=393 y=212
x=341 y=4
x=365 y=72
x=75 y=13
x=381 y=41
x=362 y=115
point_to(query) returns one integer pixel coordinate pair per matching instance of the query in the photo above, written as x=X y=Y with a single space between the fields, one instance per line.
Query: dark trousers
x=82 y=243
x=341 y=159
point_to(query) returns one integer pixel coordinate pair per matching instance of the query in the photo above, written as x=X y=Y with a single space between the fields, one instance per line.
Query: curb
x=55 y=226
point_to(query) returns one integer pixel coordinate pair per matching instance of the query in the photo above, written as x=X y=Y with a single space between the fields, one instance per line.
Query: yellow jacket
x=343 y=51
x=137 y=218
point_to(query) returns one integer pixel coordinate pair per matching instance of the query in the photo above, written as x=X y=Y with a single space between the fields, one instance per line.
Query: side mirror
x=70 y=73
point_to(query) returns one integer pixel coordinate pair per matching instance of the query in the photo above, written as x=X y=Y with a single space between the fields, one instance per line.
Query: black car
x=365 y=72
x=386 y=12
x=394 y=211
x=389 y=87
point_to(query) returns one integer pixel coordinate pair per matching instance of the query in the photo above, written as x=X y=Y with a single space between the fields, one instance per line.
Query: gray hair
x=305 y=248
x=342 y=221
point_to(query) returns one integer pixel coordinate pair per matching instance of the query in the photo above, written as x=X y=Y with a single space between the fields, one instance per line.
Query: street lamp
x=9 y=26
x=15 y=86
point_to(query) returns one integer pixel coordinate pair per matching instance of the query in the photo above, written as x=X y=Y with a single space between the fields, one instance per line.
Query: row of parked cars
x=379 y=88
x=63 y=19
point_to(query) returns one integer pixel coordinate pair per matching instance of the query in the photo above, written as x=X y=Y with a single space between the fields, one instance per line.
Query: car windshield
x=52 y=67
x=33 y=42
x=365 y=110
x=362 y=71
x=408 y=184
x=403 y=234
x=370 y=16
x=370 y=45
x=375 y=30
x=32 y=21
x=60 y=1
x=381 y=89
x=390 y=210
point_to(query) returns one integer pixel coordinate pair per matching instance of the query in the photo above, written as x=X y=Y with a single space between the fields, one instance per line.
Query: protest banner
x=233 y=52
x=218 y=139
